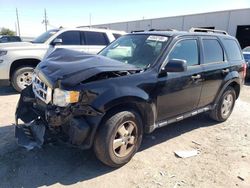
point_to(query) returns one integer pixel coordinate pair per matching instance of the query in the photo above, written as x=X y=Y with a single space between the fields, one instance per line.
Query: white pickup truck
x=17 y=60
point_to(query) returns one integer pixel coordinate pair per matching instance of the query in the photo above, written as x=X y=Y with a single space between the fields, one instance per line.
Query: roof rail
x=197 y=29
x=136 y=31
x=162 y=30
x=91 y=27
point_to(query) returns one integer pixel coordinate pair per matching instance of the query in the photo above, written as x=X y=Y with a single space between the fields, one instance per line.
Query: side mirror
x=57 y=41
x=175 y=65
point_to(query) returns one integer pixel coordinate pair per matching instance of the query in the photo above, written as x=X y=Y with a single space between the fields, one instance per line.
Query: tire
x=22 y=77
x=112 y=131
x=219 y=113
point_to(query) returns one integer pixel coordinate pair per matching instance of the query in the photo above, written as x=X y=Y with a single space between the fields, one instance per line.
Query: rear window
x=116 y=35
x=212 y=51
x=232 y=49
x=95 y=38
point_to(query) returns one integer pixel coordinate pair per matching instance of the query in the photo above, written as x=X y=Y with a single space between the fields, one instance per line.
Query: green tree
x=6 y=31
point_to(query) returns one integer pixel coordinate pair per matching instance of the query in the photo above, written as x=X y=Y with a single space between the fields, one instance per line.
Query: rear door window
x=186 y=50
x=212 y=51
x=95 y=38
x=232 y=49
x=70 y=38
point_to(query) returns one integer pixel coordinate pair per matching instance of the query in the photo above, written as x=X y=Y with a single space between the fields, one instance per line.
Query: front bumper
x=43 y=122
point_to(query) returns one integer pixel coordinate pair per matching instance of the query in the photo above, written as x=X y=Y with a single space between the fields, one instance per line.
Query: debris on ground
x=196 y=143
x=158 y=183
x=186 y=154
x=162 y=173
x=241 y=178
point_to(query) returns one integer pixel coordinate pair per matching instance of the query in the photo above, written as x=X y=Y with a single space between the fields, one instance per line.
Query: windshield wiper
x=147 y=67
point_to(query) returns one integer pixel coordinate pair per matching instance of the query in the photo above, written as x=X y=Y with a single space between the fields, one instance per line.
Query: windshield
x=45 y=36
x=139 y=50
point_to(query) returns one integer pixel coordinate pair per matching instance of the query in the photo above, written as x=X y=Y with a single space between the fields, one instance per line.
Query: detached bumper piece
x=30 y=135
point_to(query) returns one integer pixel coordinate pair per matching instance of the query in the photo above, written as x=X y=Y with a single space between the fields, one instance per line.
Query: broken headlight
x=62 y=97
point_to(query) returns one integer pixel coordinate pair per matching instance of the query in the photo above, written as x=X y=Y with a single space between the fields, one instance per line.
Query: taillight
x=244 y=70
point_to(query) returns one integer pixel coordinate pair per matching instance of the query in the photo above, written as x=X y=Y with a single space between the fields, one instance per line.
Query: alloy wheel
x=125 y=139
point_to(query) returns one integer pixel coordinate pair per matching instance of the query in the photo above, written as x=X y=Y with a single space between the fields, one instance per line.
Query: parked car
x=246 y=49
x=140 y=82
x=7 y=38
x=18 y=60
x=247 y=59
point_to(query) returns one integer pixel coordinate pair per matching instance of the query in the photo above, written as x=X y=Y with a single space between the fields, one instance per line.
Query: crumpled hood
x=72 y=67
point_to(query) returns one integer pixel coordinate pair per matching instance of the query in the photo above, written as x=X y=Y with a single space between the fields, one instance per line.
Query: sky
x=75 y=13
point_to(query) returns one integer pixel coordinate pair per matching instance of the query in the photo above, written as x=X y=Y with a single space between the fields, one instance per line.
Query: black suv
x=140 y=82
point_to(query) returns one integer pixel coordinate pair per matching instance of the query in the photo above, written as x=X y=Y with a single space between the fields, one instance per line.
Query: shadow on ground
x=59 y=164
x=7 y=90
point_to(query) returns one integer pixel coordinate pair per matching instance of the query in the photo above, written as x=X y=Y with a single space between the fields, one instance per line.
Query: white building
x=235 y=22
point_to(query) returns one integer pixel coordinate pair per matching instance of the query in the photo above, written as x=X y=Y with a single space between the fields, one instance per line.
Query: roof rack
x=194 y=29
x=136 y=31
x=162 y=30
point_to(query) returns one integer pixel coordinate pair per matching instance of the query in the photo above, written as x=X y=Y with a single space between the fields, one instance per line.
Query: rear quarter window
x=232 y=50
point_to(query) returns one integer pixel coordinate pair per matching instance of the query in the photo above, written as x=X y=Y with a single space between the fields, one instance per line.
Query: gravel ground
x=223 y=159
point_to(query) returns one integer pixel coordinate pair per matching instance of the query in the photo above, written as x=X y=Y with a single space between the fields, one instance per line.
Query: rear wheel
x=119 y=138
x=225 y=106
x=22 y=77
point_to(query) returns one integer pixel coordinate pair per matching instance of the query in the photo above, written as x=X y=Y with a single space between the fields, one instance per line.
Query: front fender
x=127 y=97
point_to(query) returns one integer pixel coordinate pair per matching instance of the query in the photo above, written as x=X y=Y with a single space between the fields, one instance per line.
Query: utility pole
x=90 y=20
x=45 y=21
x=18 y=26
x=15 y=29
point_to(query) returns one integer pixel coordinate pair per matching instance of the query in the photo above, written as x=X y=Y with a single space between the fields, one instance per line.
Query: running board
x=181 y=117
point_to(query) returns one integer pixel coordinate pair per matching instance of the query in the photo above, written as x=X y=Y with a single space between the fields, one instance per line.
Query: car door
x=180 y=92
x=215 y=69
x=95 y=41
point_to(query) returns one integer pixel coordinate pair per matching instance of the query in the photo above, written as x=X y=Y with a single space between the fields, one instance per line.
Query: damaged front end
x=58 y=105
x=43 y=123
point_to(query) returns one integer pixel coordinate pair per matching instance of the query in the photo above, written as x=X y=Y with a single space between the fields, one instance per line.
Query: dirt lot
x=223 y=160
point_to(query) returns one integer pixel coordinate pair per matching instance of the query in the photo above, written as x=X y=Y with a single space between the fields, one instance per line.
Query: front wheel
x=22 y=77
x=223 y=110
x=119 y=138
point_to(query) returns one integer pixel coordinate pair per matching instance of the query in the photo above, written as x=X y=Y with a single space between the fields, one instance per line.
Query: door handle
x=225 y=71
x=196 y=76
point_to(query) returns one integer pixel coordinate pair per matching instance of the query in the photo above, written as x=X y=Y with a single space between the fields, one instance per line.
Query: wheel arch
x=146 y=110
x=22 y=62
x=234 y=83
